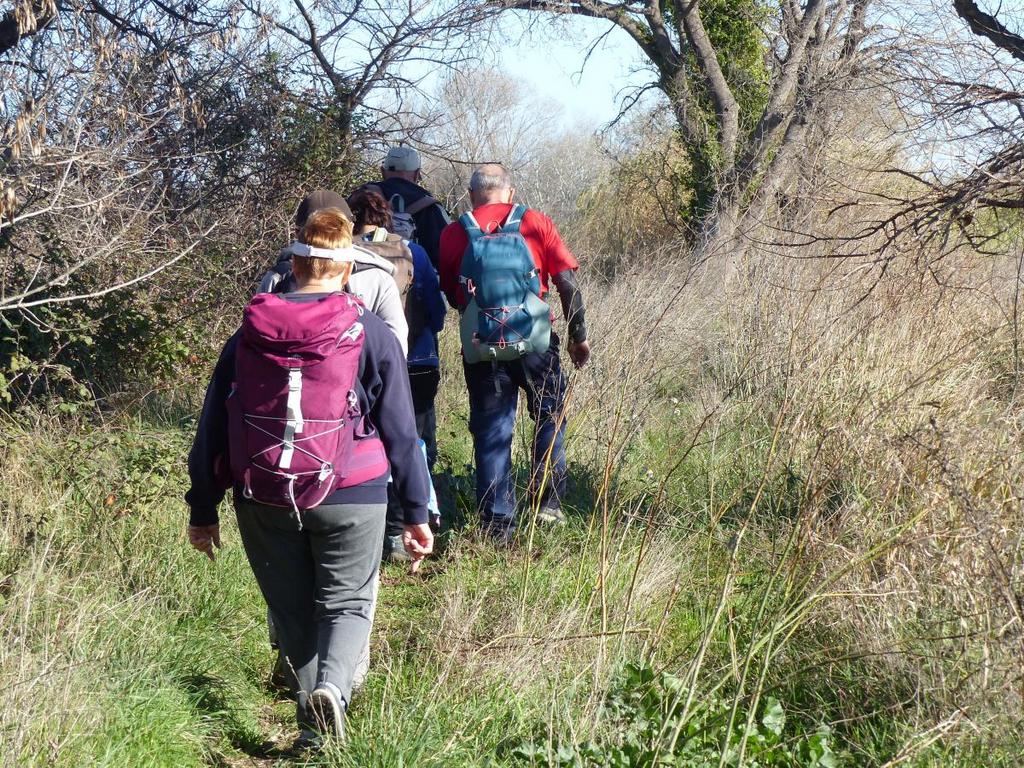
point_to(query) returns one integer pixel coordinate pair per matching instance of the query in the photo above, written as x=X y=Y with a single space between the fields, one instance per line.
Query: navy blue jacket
x=423 y=351
x=429 y=222
x=383 y=390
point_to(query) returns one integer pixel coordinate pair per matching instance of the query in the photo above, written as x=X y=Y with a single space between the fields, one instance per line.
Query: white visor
x=312 y=252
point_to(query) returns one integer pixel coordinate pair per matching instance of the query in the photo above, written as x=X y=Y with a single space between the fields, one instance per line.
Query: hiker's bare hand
x=418 y=541
x=579 y=353
x=204 y=538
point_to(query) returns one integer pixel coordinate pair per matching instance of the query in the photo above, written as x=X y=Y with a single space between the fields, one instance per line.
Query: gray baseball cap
x=401 y=159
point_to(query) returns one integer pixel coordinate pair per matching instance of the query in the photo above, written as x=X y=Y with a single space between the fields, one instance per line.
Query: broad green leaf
x=774 y=716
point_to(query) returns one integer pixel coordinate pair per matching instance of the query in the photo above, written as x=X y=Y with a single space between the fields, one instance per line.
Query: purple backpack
x=295 y=431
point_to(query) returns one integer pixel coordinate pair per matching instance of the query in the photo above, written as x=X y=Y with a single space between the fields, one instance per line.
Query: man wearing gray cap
x=417 y=215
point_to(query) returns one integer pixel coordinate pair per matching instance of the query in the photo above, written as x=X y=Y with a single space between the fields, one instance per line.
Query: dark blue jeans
x=493 y=400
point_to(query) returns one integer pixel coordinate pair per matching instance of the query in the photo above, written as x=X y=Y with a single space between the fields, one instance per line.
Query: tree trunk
x=716 y=242
x=15 y=25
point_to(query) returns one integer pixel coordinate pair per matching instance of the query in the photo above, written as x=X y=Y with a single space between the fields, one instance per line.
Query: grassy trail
x=123 y=647
x=786 y=547
x=151 y=655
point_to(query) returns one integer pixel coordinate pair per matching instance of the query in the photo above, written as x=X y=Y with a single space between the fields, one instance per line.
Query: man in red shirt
x=494 y=386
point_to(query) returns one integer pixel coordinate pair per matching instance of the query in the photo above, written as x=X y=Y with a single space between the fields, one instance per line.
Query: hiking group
x=320 y=415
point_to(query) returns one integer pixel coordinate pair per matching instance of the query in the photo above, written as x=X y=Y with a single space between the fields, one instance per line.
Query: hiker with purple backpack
x=308 y=406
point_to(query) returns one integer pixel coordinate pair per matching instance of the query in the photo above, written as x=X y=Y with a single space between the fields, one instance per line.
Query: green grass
x=121 y=646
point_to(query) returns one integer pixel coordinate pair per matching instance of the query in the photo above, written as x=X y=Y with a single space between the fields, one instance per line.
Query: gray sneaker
x=550 y=515
x=328 y=712
x=394 y=550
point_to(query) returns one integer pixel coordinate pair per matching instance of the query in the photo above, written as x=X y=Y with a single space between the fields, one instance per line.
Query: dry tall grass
x=852 y=432
x=888 y=403
x=804 y=482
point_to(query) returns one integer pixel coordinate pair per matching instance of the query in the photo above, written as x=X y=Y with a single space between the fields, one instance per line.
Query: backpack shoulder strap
x=421 y=205
x=270 y=281
x=515 y=219
x=470 y=225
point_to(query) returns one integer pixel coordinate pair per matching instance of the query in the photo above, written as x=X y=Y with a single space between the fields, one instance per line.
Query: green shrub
x=650 y=725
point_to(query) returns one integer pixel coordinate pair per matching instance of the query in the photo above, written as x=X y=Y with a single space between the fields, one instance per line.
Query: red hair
x=326 y=228
x=370 y=209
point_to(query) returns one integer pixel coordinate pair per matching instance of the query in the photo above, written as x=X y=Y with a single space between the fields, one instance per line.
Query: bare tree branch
x=727 y=111
x=988 y=26
x=812 y=49
x=780 y=107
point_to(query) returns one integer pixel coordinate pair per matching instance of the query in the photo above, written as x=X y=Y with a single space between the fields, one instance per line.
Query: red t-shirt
x=549 y=252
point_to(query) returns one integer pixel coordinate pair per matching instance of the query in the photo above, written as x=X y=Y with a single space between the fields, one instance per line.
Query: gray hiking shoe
x=500 y=532
x=308 y=741
x=394 y=550
x=550 y=515
x=328 y=712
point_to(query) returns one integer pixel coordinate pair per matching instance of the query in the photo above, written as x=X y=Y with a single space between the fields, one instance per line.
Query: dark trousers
x=320 y=585
x=423 y=381
x=493 y=401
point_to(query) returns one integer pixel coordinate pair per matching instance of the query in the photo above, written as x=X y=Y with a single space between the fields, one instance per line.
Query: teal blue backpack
x=505 y=317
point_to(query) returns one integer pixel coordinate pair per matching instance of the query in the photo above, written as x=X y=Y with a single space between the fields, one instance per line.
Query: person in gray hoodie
x=371 y=281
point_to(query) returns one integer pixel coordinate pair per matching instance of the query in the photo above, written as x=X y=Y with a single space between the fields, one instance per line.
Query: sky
x=550 y=59
x=550 y=55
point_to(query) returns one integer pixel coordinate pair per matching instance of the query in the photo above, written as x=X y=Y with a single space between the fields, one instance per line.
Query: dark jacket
x=429 y=222
x=383 y=391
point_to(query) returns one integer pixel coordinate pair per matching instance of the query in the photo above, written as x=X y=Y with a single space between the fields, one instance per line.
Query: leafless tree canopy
x=142 y=139
x=106 y=145
x=348 y=50
x=814 y=47
x=133 y=126
x=960 y=97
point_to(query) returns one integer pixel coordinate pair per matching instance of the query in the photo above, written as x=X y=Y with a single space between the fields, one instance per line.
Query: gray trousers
x=319 y=584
